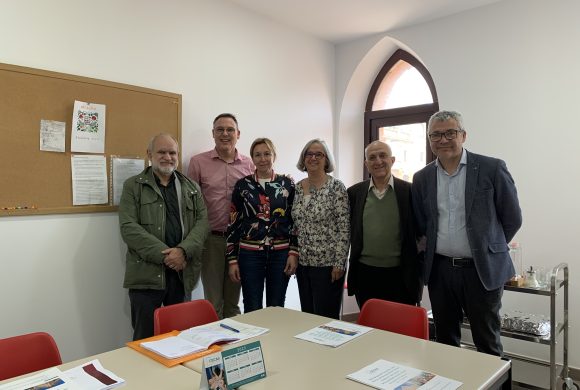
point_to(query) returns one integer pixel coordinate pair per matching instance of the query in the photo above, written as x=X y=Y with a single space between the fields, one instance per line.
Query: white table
x=296 y=364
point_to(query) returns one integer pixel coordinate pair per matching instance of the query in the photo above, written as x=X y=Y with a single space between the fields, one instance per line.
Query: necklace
x=316 y=185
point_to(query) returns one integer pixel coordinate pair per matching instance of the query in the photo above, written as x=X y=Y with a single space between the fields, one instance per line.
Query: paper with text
x=93 y=376
x=384 y=375
x=122 y=169
x=89 y=180
x=53 y=378
x=334 y=333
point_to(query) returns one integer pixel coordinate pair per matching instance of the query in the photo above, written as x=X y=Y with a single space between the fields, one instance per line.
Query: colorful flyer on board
x=88 y=128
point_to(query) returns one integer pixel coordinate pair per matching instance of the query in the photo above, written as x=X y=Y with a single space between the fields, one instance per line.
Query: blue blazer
x=492 y=213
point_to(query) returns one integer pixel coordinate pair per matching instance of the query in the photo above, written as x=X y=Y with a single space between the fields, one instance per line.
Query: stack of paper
x=200 y=338
x=334 y=333
x=187 y=342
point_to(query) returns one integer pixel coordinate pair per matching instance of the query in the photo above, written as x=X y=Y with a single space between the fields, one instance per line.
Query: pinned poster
x=233 y=368
x=88 y=128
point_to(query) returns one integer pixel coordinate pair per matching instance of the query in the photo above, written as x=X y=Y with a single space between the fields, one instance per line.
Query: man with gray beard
x=163 y=221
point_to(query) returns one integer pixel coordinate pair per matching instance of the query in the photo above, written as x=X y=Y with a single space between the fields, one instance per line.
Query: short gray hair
x=154 y=138
x=328 y=166
x=443 y=115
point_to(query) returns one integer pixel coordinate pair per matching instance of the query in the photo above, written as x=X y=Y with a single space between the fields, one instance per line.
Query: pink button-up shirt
x=217 y=179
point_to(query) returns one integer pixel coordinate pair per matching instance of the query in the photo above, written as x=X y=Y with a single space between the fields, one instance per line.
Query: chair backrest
x=183 y=316
x=27 y=353
x=395 y=317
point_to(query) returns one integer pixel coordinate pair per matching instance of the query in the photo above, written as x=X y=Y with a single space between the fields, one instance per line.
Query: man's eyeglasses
x=316 y=155
x=221 y=130
x=448 y=134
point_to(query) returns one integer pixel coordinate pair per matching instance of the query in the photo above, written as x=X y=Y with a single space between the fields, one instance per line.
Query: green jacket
x=142 y=222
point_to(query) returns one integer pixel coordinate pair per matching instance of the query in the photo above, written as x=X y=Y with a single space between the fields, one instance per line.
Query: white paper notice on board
x=88 y=128
x=52 y=136
x=122 y=169
x=89 y=180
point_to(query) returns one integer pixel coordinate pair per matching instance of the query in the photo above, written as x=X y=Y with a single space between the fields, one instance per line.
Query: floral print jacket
x=261 y=217
x=322 y=225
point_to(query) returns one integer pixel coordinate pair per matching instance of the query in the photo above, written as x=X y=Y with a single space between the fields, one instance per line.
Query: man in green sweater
x=383 y=257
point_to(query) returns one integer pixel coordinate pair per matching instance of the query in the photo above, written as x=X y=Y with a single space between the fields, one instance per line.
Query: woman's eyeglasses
x=315 y=155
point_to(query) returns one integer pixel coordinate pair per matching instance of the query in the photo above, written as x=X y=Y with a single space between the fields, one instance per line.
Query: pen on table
x=229 y=328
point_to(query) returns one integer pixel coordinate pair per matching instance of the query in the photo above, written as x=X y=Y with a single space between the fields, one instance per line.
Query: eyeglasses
x=448 y=134
x=316 y=155
x=221 y=130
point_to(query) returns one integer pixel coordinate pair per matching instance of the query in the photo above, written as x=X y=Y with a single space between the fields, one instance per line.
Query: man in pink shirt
x=217 y=171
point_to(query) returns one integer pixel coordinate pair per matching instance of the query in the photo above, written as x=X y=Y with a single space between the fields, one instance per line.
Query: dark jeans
x=455 y=290
x=382 y=283
x=255 y=266
x=145 y=301
x=318 y=295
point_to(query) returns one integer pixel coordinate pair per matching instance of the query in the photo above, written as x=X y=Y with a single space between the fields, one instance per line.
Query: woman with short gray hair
x=321 y=222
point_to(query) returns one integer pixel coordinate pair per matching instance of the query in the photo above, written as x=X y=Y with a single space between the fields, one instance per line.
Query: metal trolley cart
x=558 y=280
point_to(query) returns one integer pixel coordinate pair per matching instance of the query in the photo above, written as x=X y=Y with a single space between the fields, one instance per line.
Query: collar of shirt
x=380 y=194
x=214 y=154
x=158 y=181
x=462 y=161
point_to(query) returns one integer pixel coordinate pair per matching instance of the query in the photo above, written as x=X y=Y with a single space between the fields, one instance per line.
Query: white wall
x=63 y=273
x=512 y=69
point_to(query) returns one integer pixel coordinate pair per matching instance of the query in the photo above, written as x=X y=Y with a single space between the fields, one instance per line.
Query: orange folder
x=136 y=345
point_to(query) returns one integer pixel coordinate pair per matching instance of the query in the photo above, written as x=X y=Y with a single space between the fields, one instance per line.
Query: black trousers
x=381 y=283
x=457 y=290
x=145 y=301
x=318 y=295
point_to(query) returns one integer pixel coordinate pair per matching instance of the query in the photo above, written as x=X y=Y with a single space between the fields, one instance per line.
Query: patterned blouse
x=261 y=217
x=322 y=225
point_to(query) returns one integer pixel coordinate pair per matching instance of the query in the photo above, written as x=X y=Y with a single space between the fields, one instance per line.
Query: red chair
x=395 y=317
x=27 y=353
x=183 y=316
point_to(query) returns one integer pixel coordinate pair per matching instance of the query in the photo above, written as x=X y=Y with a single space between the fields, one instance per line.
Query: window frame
x=373 y=120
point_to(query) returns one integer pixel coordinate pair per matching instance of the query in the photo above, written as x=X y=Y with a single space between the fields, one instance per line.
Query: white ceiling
x=345 y=20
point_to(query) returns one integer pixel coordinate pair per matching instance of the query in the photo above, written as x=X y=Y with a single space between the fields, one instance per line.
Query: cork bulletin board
x=40 y=182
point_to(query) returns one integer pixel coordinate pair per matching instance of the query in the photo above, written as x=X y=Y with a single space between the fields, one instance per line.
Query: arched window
x=400 y=102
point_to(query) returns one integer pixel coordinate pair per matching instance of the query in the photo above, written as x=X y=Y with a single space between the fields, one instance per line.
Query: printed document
x=93 y=376
x=88 y=376
x=384 y=375
x=89 y=180
x=334 y=333
x=123 y=168
x=53 y=378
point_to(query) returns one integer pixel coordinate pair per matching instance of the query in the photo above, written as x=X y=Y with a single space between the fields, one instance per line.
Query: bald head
x=379 y=160
x=380 y=145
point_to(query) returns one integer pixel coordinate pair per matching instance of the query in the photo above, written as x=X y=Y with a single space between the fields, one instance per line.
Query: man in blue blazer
x=466 y=207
